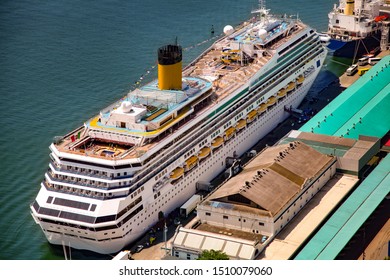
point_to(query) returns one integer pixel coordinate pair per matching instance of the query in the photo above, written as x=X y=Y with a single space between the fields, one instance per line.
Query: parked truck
x=190 y=205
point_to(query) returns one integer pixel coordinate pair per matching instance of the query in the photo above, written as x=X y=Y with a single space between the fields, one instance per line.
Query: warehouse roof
x=361 y=109
x=334 y=235
x=274 y=177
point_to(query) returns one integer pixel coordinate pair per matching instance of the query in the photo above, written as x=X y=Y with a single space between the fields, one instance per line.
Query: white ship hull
x=173 y=196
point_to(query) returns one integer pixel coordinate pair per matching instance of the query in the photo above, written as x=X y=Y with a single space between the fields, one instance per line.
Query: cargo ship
x=354 y=28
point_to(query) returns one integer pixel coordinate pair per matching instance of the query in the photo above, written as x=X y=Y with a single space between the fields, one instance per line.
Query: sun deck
x=228 y=76
x=161 y=113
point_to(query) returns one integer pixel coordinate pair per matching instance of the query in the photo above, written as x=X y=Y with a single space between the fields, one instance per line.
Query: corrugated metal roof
x=361 y=109
x=274 y=177
x=195 y=240
x=345 y=222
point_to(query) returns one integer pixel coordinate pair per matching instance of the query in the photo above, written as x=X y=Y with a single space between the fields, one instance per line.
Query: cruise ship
x=354 y=28
x=112 y=179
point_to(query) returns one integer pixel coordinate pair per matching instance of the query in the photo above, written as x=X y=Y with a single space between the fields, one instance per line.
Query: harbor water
x=63 y=61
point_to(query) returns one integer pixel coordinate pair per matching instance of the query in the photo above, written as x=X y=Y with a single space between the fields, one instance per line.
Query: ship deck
x=226 y=79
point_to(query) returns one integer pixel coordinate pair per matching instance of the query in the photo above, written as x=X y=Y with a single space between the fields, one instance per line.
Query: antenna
x=262 y=4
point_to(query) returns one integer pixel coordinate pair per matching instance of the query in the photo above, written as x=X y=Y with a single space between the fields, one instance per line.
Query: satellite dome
x=126 y=106
x=262 y=34
x=228 y=29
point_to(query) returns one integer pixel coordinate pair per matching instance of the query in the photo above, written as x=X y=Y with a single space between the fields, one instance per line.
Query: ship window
x=49 y=199
x=208 y=214
x=123 y=125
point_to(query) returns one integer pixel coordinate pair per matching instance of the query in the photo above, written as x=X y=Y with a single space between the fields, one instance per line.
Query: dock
x=346 y=81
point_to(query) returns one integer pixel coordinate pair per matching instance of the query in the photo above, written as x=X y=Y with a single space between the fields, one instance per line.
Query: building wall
x=235 y=219
x=372 y=151
x=184 y=254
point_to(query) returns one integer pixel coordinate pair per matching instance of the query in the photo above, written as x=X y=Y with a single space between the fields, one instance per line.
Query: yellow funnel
x=170 y=67
x=349 y=8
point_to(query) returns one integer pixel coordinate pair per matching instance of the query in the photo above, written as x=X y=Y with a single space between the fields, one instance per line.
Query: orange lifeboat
x=241 y=124
x=229 y=132
x=204 y=152
x=282 y=93
x=251 y=116
x=290 y=86
x=217 y=142
x=262 y=108
x=271 y=101
x=191 y=162
x=177 y=173
x=300 y=79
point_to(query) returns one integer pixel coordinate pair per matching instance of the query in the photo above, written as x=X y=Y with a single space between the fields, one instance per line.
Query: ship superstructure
x=354 y=27
x=113 y=178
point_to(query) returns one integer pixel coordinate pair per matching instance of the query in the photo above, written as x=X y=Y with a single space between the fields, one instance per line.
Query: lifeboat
x=282 y=93
x=300 y=79
x=229 y=132
x=262 y=108
x=271 y=101
x=381 y=18
x=177 y=173
x=251 y=116
x=217 y=142
x=204 y=152
x=241 y=124
x=290 y=86
x=191 y=162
